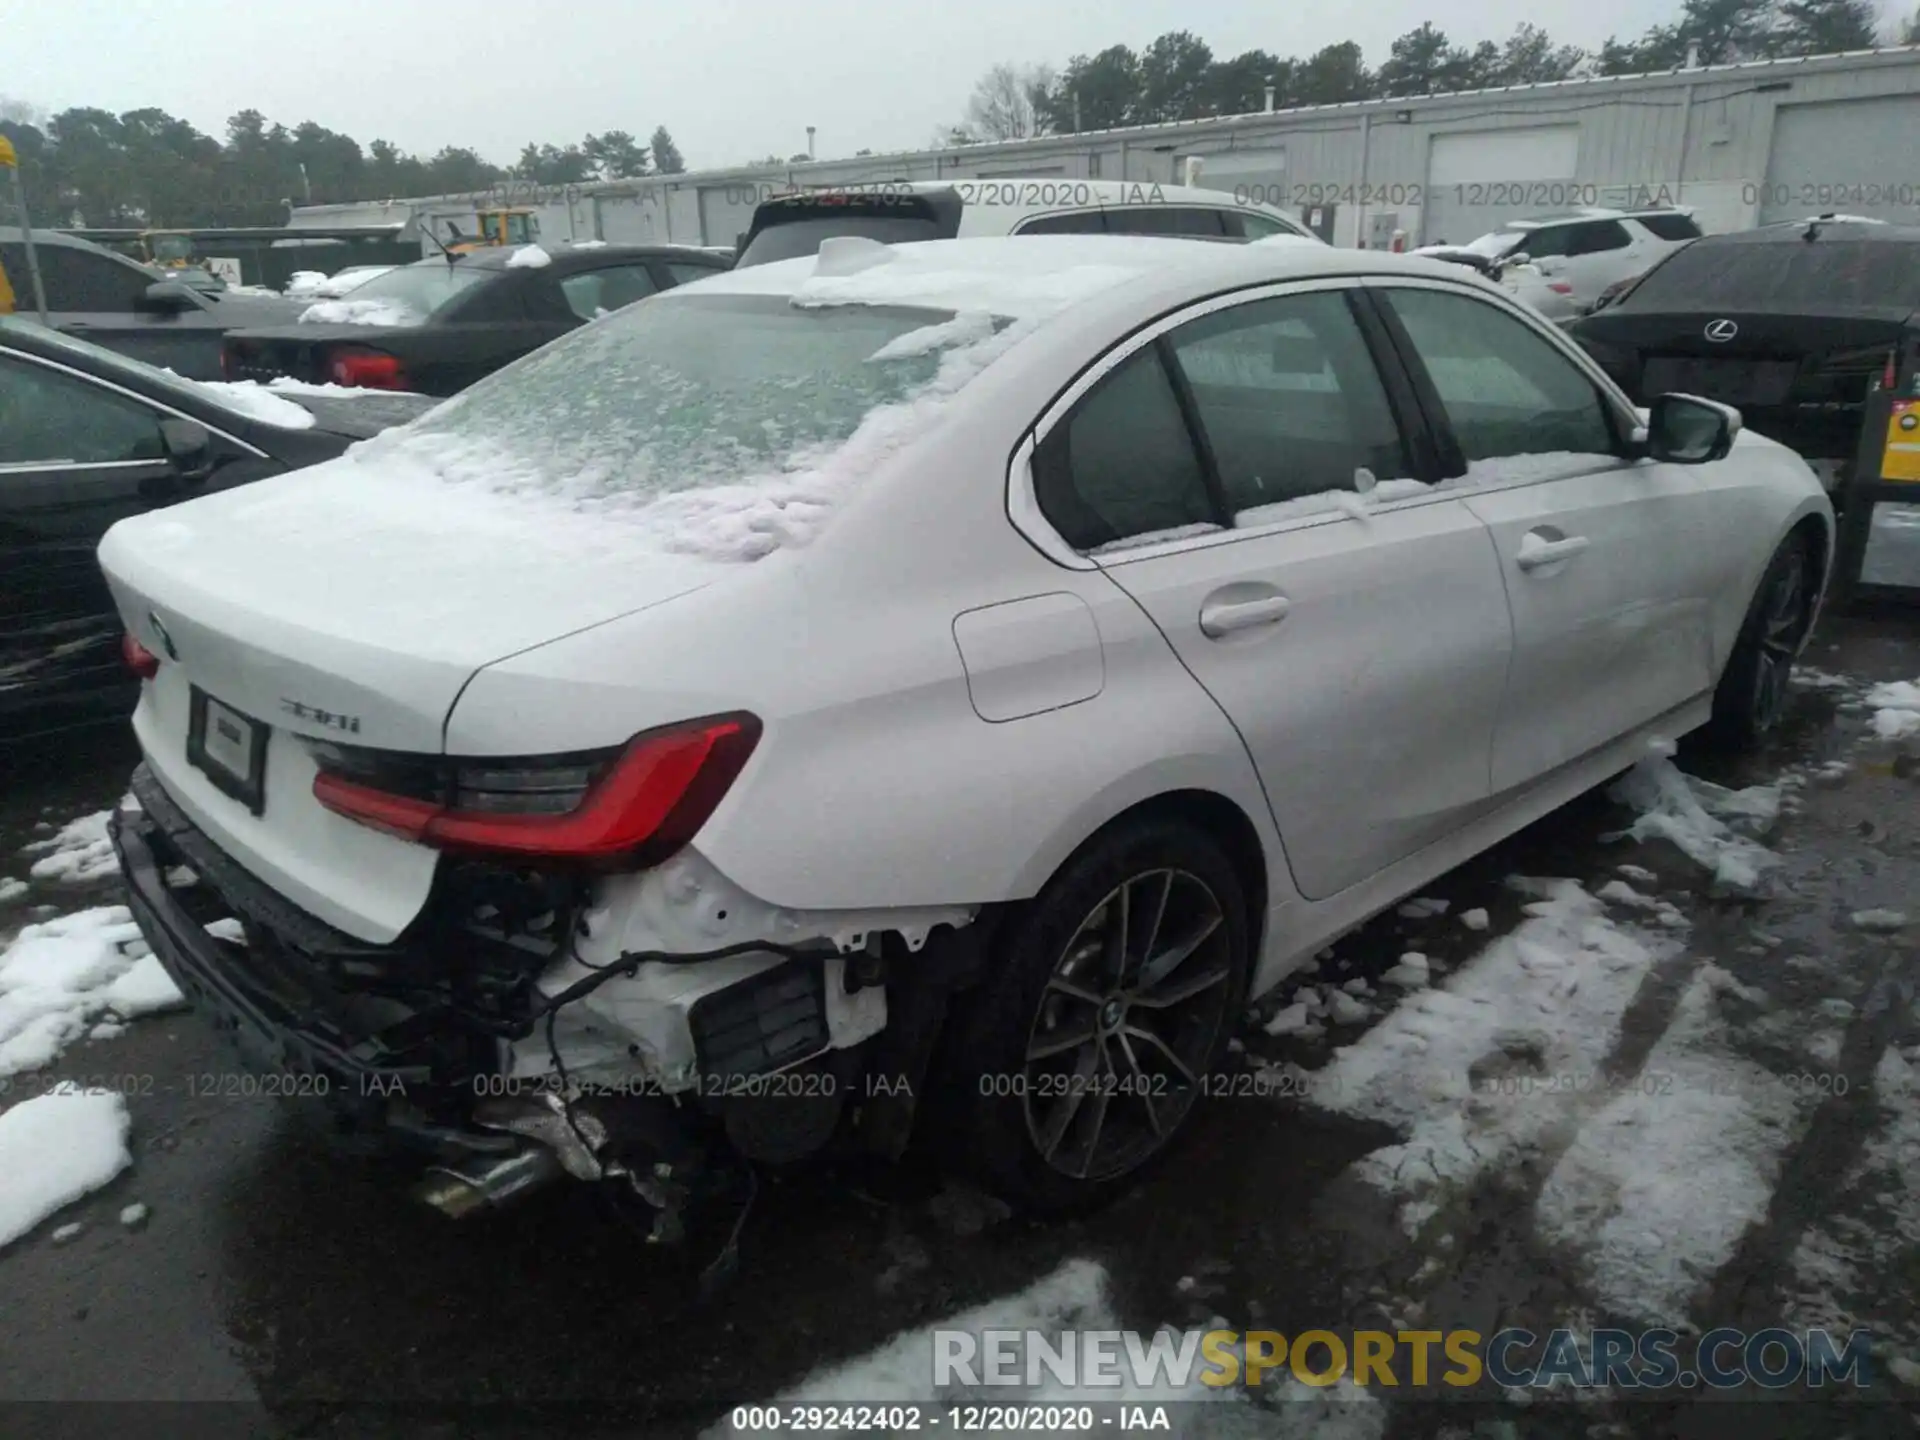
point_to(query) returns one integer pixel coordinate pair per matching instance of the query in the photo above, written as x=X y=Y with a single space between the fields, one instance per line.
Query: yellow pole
x=11 y=162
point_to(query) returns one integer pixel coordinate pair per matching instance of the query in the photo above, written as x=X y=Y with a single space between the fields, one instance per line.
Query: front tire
x=1109 y=1006
x=1752 y=695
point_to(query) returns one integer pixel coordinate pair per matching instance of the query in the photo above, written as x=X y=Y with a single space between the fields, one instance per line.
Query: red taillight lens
x=1890 y=377
x=367 y=370
x=140 y=660
x=1559 y=287
x=644 y=805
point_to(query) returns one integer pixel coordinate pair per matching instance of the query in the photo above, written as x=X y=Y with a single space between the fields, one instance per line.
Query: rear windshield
x=788 y=230
x=745 y=398
x=1670 y=227
x=413 y=293
x=1802 y=275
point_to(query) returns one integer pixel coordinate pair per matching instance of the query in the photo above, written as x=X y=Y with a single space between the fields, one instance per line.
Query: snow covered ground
x=55 y=1149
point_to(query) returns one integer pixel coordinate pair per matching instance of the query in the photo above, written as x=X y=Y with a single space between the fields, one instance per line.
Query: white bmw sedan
x=947 y=679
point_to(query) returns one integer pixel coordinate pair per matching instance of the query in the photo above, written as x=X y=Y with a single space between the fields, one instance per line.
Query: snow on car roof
x=1029 y=276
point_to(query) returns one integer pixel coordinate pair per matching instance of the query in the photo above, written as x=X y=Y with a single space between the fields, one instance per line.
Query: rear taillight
x=366 y=370
x=637 y=804
x=1890 y=377
x=140 y=660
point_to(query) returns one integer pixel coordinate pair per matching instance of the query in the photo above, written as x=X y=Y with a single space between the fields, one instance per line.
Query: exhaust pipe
x=460 y=1190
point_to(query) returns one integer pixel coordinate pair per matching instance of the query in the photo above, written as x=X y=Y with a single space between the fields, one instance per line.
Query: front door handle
x=1537 y=551
x=1224 y=617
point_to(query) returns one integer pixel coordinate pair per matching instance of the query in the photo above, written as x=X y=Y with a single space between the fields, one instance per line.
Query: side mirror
x=169 y=297
x=189 y=445
x=1686 y=430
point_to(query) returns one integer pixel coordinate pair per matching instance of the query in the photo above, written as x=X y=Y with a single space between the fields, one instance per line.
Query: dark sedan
x=108 y=299
x=1793 y=323
x=437 y=326
x=88 y=437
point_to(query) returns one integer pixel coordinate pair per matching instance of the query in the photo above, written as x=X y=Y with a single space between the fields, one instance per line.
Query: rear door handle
x=1537 y=551
x=1224 y=617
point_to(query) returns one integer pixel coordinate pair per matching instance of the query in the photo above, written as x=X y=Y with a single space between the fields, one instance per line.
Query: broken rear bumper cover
x=454 y=1041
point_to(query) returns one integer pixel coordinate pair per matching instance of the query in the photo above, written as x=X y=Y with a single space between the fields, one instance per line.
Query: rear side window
x=1122 y=466
x=1078 y=222
x=1189 y=220
x=593 y=293
x=1505 y=390
x=787 y=229
x=682 y=273
x=1788 y=273
x=1289 y=399
x=1669 y=227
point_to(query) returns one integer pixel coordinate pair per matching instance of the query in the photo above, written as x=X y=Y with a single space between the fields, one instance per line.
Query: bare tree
x=1001 y=106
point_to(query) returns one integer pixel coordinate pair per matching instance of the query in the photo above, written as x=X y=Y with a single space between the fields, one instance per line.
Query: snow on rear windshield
x=404 y=296
x=718 y=425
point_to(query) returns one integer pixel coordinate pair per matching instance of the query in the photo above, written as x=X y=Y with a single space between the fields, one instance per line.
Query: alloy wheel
x=1782 y=622
x=1125 y=1025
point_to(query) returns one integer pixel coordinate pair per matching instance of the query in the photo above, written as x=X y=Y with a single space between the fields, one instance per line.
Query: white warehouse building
x=1740 y=144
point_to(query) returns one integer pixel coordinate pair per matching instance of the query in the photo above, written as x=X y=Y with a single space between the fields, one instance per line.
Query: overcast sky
x=732 y=79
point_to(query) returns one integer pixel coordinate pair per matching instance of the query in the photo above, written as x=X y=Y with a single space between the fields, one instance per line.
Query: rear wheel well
x=1227 y=823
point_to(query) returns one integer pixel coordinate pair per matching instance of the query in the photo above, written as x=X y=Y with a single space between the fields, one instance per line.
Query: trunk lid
x=349 y=602
x=1799 y=378
x=301 y=351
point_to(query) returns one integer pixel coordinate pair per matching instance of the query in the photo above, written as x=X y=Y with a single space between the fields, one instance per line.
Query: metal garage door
x=727 y=210
x=1847 y=156
x=1477 y=182
x=1259 y=176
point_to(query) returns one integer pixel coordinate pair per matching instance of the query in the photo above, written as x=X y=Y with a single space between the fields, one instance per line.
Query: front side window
x=1121 y=467
x=1597 y=238
x=1289 y=400
x=1548 y=242
x=51 y=418
x=1505 y=390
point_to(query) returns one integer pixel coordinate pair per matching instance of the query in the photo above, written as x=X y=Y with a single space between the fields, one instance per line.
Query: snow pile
x=529 y=257
x=58 y=976
x=1896 y=709
x=79 y=852
x=1495 y=1060
x=56 y=1148
x=11 y=889
x=257 y=402
x=1702 y=819
x=360 y=312
x=348 y=281
x=303 y=283
x=1075 y=1297
x=943 y=283
x=1658 y=1188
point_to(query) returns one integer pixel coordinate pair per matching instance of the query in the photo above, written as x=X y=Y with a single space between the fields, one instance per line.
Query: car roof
x=497 y=257
x=1062 y=192
x=1794 y=232
x=10 y=234
x=1597 y=212
x=1036 y=276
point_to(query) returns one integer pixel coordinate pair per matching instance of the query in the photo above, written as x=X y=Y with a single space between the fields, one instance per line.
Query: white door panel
x=1611 y=616
x=1363 y=663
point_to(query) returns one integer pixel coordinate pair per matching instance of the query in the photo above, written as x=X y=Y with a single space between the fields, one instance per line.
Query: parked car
x=1795 y=324
x=345 y=282
x=438 y=325
x=121 y=304
x=1003 y=656
x=1522 y=279
x=791 y=225
x=88 y=437
x=1591 y=249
